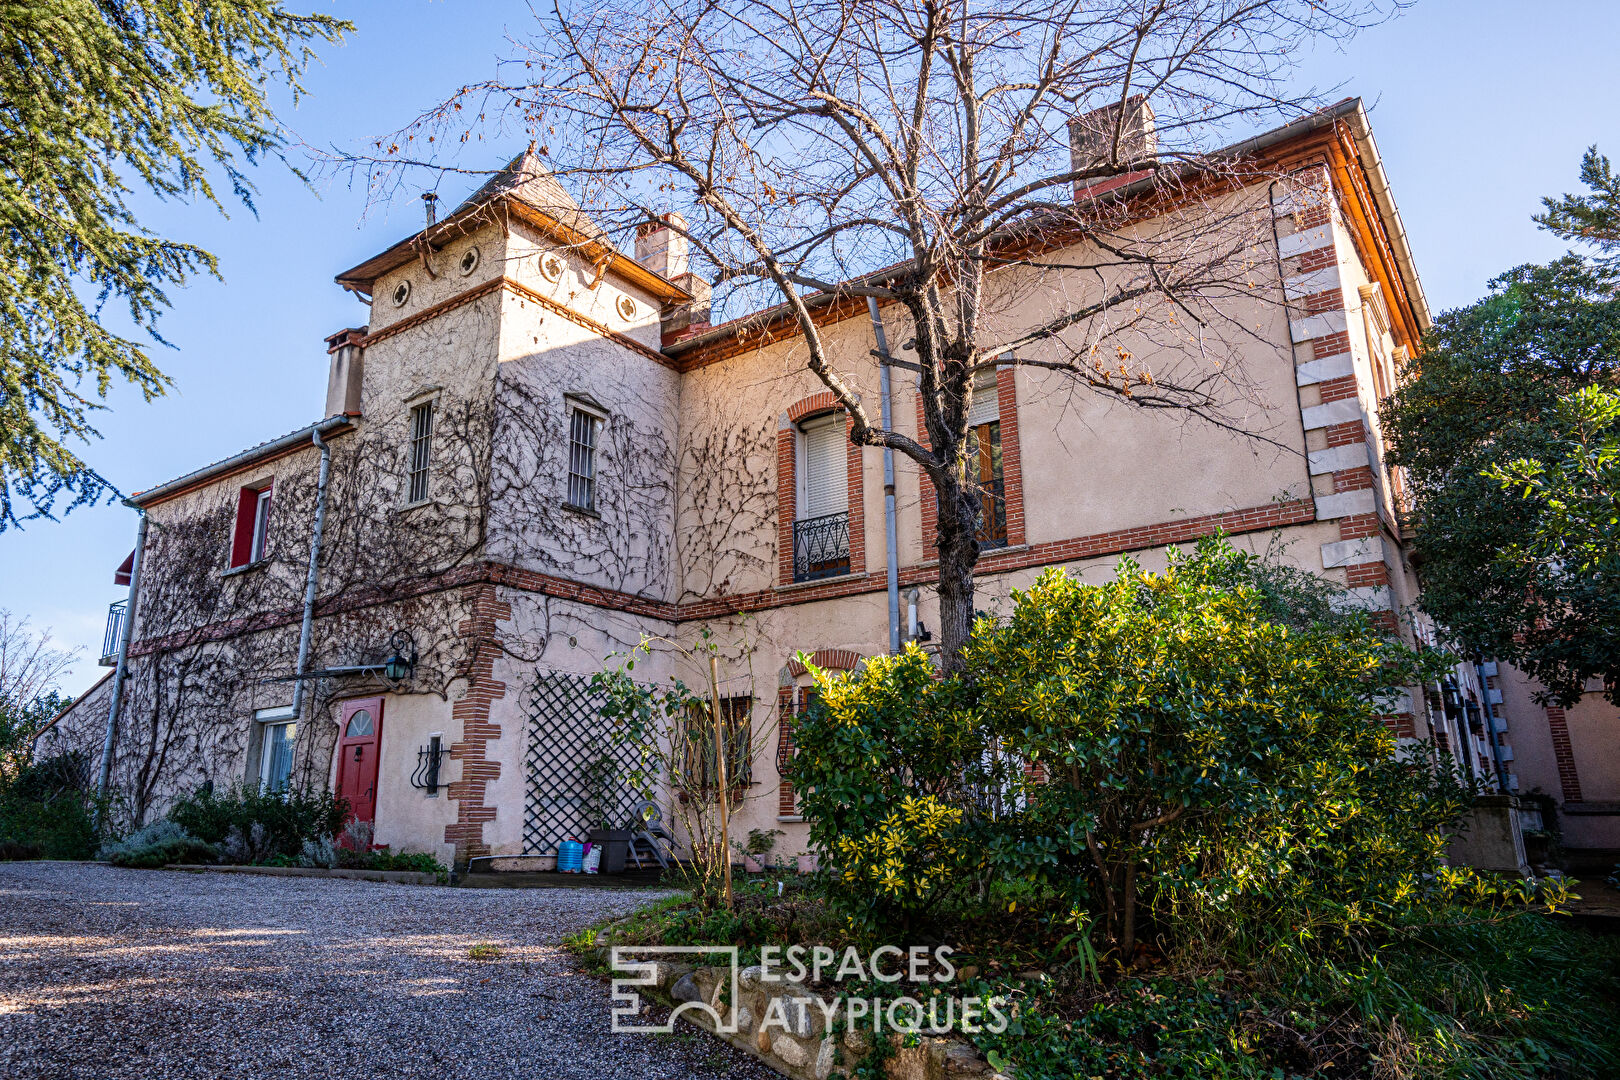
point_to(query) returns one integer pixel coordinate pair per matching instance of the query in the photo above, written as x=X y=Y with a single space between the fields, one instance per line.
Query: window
x=697 y=755
x=824 y=474
x=421 y=451
x=276 y=755
x=584 y=429
x=984 y=460
x=251 y=541
x=821 y=525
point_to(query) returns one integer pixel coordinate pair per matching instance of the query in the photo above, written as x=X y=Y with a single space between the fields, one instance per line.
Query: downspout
x=312 y=580
x=124 y=634
x=1490 y=728
x=890 y=530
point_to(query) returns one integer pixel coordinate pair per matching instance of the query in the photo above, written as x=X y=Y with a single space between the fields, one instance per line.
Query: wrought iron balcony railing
x=115 y=630
x=821 y=547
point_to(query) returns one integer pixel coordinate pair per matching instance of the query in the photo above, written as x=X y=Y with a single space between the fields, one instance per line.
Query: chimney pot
x=430 y=203
x=1091 y=135
x=661 y=248
x=347 y=372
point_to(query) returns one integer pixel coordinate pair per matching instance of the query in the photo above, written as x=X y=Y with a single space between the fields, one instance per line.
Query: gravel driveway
x=110 y=973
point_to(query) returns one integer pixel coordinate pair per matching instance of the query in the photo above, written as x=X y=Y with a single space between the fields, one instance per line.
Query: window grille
x=583 y=432
x=421 y=451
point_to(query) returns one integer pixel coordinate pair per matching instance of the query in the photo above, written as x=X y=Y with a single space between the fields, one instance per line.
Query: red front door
x=359 y=739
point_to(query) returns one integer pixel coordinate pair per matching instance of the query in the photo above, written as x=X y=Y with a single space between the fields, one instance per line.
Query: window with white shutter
x=824 y=483
x=985 y=408
x=821 y=519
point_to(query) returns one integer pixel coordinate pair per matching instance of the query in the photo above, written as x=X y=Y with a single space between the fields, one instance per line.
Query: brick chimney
x=663 y=249
x=1091 y=135
x=347 y=371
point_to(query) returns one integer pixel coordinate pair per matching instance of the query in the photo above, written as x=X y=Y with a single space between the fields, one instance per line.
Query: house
x=538 y=452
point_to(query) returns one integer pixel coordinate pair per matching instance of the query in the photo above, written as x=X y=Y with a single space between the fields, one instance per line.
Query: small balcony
x=115 y=631
x=821 y=547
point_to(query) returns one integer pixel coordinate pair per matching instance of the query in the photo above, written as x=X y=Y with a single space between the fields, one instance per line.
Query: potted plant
x=756 y=853
x=614 y=843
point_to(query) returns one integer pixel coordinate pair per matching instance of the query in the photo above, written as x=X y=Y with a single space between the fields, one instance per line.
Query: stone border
x=806 y=1051
x=391 y=877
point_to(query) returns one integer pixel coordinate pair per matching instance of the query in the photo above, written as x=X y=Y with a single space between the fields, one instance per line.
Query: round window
x=469 y=261
x=551 y=267
x=402 y=293
x=360 y=725
x=627 y=308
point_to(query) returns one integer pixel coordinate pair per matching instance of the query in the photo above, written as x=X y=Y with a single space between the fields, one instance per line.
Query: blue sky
x=1479 y=108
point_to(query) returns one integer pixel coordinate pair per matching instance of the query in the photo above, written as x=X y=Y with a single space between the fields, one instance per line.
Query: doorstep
x=393 y=877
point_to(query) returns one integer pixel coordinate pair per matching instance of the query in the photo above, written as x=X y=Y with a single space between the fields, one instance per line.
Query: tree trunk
x=958 y=552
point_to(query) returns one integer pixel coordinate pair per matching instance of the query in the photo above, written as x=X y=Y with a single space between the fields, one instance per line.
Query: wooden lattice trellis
x=568 y=736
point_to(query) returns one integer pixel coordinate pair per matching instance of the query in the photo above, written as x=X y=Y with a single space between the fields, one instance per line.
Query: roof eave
x=332 y=425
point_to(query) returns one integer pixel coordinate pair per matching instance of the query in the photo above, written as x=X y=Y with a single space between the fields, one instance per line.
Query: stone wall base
x=805 y=1050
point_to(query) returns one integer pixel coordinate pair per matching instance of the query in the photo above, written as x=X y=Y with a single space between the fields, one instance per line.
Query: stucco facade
x=512 y=319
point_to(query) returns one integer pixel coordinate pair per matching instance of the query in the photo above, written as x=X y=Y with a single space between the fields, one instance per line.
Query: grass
x=1465 y=993
x=484 y=950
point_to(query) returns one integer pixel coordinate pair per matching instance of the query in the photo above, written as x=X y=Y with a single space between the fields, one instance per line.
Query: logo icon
x=638 y=971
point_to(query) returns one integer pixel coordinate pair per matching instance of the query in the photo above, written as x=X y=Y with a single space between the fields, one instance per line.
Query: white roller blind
x=985 y=407
x=826 y=478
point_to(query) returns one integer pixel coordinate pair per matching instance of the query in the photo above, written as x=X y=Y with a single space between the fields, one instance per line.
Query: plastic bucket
x=570 y=854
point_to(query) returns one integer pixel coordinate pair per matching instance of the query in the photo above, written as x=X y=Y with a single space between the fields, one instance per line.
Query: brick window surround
x=790 y=700
x=787 y=486
x=1012 y=468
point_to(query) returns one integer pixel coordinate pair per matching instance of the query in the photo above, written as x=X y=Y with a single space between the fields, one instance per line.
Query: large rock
x=791 y=1051
x=686 y=988
x=826 y=1057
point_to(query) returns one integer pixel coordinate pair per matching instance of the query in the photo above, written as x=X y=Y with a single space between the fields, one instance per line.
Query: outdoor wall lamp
x=395 y=668
x=401 y=662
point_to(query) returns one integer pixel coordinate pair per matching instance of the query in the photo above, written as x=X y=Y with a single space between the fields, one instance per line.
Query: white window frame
x=274 y=718
x=801 y=458
x=597 y=420
x=260 y=544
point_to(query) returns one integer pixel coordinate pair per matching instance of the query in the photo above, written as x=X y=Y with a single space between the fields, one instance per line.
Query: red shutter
x=242 y=539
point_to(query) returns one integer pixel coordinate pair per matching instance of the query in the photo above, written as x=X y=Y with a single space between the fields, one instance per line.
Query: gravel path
x=108 y=973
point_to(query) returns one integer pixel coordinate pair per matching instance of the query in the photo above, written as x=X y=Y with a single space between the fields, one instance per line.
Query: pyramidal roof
x=527 y=182
x=525 y=179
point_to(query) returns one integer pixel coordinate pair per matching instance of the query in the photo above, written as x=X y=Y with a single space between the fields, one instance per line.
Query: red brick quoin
x=477 y=767
x=789 y=700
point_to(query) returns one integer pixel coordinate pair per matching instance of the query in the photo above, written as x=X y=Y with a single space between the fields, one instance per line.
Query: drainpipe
x=890 y=531
x=124 y=634
x=310 y=582
x=1490 y=727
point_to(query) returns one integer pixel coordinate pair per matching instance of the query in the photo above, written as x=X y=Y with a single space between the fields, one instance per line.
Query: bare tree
x=31 y=667
x=1027 y=181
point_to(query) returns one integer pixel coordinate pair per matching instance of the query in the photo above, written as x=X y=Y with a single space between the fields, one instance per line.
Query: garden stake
x=720 y=772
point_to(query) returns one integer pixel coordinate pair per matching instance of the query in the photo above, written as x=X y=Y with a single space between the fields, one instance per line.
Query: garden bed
x=395 y=877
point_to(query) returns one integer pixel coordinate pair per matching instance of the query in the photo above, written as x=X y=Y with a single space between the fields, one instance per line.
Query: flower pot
x=752 y=864
x=808 y=863
x=615 y=845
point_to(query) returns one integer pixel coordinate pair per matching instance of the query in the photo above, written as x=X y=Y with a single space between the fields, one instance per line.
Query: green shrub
x=1162 y=752
x=46 y=811
x=287 y=818
x=156 y=845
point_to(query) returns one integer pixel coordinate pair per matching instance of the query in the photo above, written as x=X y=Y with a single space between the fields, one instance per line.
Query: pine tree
x=100 y=98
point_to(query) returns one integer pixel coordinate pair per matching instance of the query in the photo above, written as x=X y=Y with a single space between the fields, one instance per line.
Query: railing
x=821 y=547
x=115 y=631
